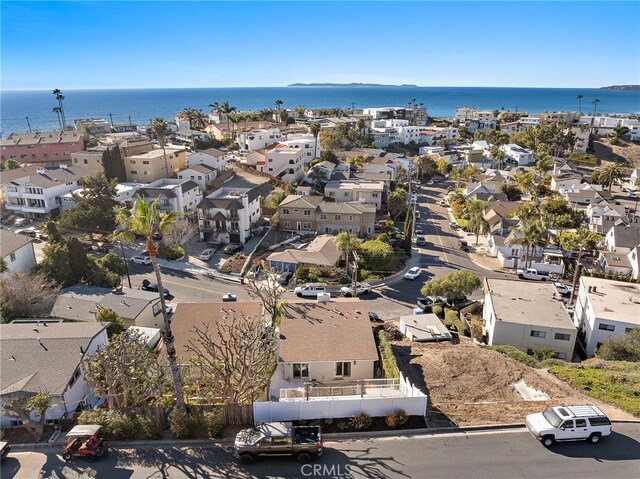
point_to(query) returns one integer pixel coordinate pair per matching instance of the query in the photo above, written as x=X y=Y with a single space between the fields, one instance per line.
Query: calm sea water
x=143 y=104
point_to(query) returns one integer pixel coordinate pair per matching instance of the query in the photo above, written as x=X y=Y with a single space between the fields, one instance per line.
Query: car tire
x=543 y=279
x=548 y=441
x=347 y=295
x=247 y=458
x=595 y=438
x=66 y=456
x=366 y=291
x=520 y=276
x=90 y=457
x=303 y=457
x=299 y=295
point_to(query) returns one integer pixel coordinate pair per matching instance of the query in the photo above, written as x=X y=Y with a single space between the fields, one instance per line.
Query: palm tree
x=595 y=105
x=580 y=97
x=60 y=97
x=477 y=223
x=159 y=129
x=278 y=105
x=524 y=180
x=228 y=110
x=347 y=243
x=58 y=111
x=529 y=233
x=609 y=174
x=216 y=108
x=144 y=219
x=315 y=128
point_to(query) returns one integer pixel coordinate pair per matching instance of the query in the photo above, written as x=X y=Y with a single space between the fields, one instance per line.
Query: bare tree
x=234 y=358
x=126 y=372
x=26 y=295
x=268 y=290
x=180 y=232
x=23 y=406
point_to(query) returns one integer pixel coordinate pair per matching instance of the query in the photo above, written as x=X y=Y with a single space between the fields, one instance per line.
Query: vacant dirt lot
x=473 y=386
x=617 y=153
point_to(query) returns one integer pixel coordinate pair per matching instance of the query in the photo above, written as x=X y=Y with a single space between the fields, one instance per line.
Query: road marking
x=433 y=435
x=435 y=225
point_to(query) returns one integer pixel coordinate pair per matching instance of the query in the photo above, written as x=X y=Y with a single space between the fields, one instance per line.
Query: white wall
x=24 y=259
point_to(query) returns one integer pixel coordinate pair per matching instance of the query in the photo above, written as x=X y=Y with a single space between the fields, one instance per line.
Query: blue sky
x=209 y=44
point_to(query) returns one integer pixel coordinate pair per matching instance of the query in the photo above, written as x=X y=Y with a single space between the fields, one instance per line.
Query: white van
x=310 y=290
x=569 y=423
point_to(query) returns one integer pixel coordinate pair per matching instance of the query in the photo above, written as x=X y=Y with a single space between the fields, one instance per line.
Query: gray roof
x=155 y=192
x=82 y=302
x=626 y=236
x=54 y=177
x=42 y=358
x=228 y=204
x=202 y=168
x=10 y=242
x=213 y=152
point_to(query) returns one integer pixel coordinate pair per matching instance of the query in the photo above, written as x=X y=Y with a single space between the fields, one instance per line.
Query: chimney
x=594 y=289
x=40 y=171
x=590 y=288
x=63 y=166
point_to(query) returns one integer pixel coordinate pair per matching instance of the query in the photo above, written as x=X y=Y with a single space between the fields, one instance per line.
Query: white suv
x=310 y=290
x=569 y=423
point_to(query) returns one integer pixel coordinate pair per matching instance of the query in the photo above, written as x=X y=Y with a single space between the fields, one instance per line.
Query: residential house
x=325 y=342
x=518 y=155
x=355 y=190
x=225 y=129
x=134 y=146
x=155 y=164
x=231 y=212
x=17 y=252
x=622 y=238
x=424 y=328
x=399 y=131
x=202 y=174
x=306 y=142
x=512 y=127
x=181 y=196
x=490 y=187
x=529 y=121
x=531 y=318
x=324 y=167
x=93 y=126
x=136 y=307
x=48 y=359
x=617 y=263
x=603 y=216
x=91 y=159
x=582 y=140
x=39 y=195
x=46 y=148
x=279 y=161
x=211 y=157
x=321 y=252
x=188 y=136
x=254 y=139
x=496 y=212
x=605 y=309
x=311 y=214
x=567 y=117
x=562 y=180
x=585 y=195
x=634 y=260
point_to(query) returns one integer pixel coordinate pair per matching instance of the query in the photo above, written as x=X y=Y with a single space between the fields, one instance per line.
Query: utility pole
x=126 y=265
x=130 y=120
x=28 y=123
x=356 y=258
x=111 y=118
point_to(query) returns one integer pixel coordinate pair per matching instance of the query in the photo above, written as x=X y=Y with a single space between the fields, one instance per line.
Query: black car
x=374 y=318
x=463 y=245
x=149 y=286
x=285 y=277
x=232 y=248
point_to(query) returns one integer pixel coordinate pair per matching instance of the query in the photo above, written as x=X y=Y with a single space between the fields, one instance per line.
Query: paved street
x=497 y=454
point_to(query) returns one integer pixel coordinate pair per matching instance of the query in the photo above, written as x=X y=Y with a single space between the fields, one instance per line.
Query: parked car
x=634 y=194
x=569 y=423
x=207 y=254
x=279 y=439
x=374 y=318
x=85 y=441
x=430 y=183
x=531 y=273
x=427 y=302
x=233 y=248
x=417 y=215
x=285 y=277
x=454 y=225
x=22 y=221
x=310 y=290
x=413 y=273
x=414 y=198
x=421 y=240
x=418 y=230
x=443 y=202
x=140 y=260
x=29 y=231
x=5 y=449
x=149 y=286
x=562 y=289
x=229 y=297
x=463 y=245
x=362 y=288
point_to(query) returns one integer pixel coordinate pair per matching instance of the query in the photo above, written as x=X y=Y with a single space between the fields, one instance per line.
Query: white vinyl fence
x=412 y=401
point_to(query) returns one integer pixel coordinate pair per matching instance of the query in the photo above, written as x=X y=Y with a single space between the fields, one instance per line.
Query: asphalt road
x=496 y=454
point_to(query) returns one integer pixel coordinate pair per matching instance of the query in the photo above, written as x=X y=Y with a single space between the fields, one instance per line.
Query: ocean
x=140 y=105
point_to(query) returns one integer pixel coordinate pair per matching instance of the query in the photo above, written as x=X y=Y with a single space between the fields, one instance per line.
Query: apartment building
x=39 y=195
x=47 y=148
x=399 y=131
x=211 y=157
x=356 y=190
x=230 y=213
x=201 y=174
x=306 y=142
x=254 y=139
x=155 y=164
x=510 y=319
x=311 y=214
x=518 y=155
x=605 y=309
x=279 y=161
x=178 y=195
x=93 y=126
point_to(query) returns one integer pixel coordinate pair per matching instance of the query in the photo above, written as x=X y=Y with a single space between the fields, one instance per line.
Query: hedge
x=389 y=364
x=516 y=354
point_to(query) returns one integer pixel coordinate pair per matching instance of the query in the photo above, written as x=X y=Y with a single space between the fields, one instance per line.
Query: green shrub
x=184 y=425
x=389 y=364
x=543 y=354
x=328 y=421
x=396 y=418
x=476 y=332
x=151 y=427
x=516 y=354
x=547 y=363
x=214 y=421
x=452 y=319
x=342 y=426
x=437 y=310
x=116 y=425
x=361 y=422
x=171 y=253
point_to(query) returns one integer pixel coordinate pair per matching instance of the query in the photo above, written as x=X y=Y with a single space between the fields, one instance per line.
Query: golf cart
x=85 y=441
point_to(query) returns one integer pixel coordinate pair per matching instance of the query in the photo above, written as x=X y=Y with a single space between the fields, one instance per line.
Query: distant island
x=353 y=85
x=622 y=87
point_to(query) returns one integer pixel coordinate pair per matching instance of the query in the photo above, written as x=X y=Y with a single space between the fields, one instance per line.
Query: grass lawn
x=615 y=382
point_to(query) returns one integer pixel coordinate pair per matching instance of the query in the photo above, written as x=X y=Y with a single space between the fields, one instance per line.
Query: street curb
x=332 y=437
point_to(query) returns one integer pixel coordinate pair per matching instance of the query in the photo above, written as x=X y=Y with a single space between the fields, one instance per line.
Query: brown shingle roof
x=10 y=242
x=334 y=331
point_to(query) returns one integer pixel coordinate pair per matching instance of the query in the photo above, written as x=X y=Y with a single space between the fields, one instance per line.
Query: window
x=560 y=355
x=285 y=211
x=599 y=421
x=350 y=218
x=562 y=337
x=628 y=330
x=134 y=172
x=343 y=369
x=338 y=217
x=606 y=327
x=306 y=226
x=538 y=334
x=346 y=194
x=567 y=424
x=86 y=161
x=581 y=423
x=323 y=216
x=145 y=162
x=375 y=195
x=12 y=257
x=300 y=370
x=74 y=378
x=307 y=212
x=286 y=224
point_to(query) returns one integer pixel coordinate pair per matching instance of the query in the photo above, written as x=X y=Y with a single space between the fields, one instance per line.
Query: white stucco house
x=211 y=157
x=179 y=195
x=17 y=252
x=280 y=161
x=518 y=155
